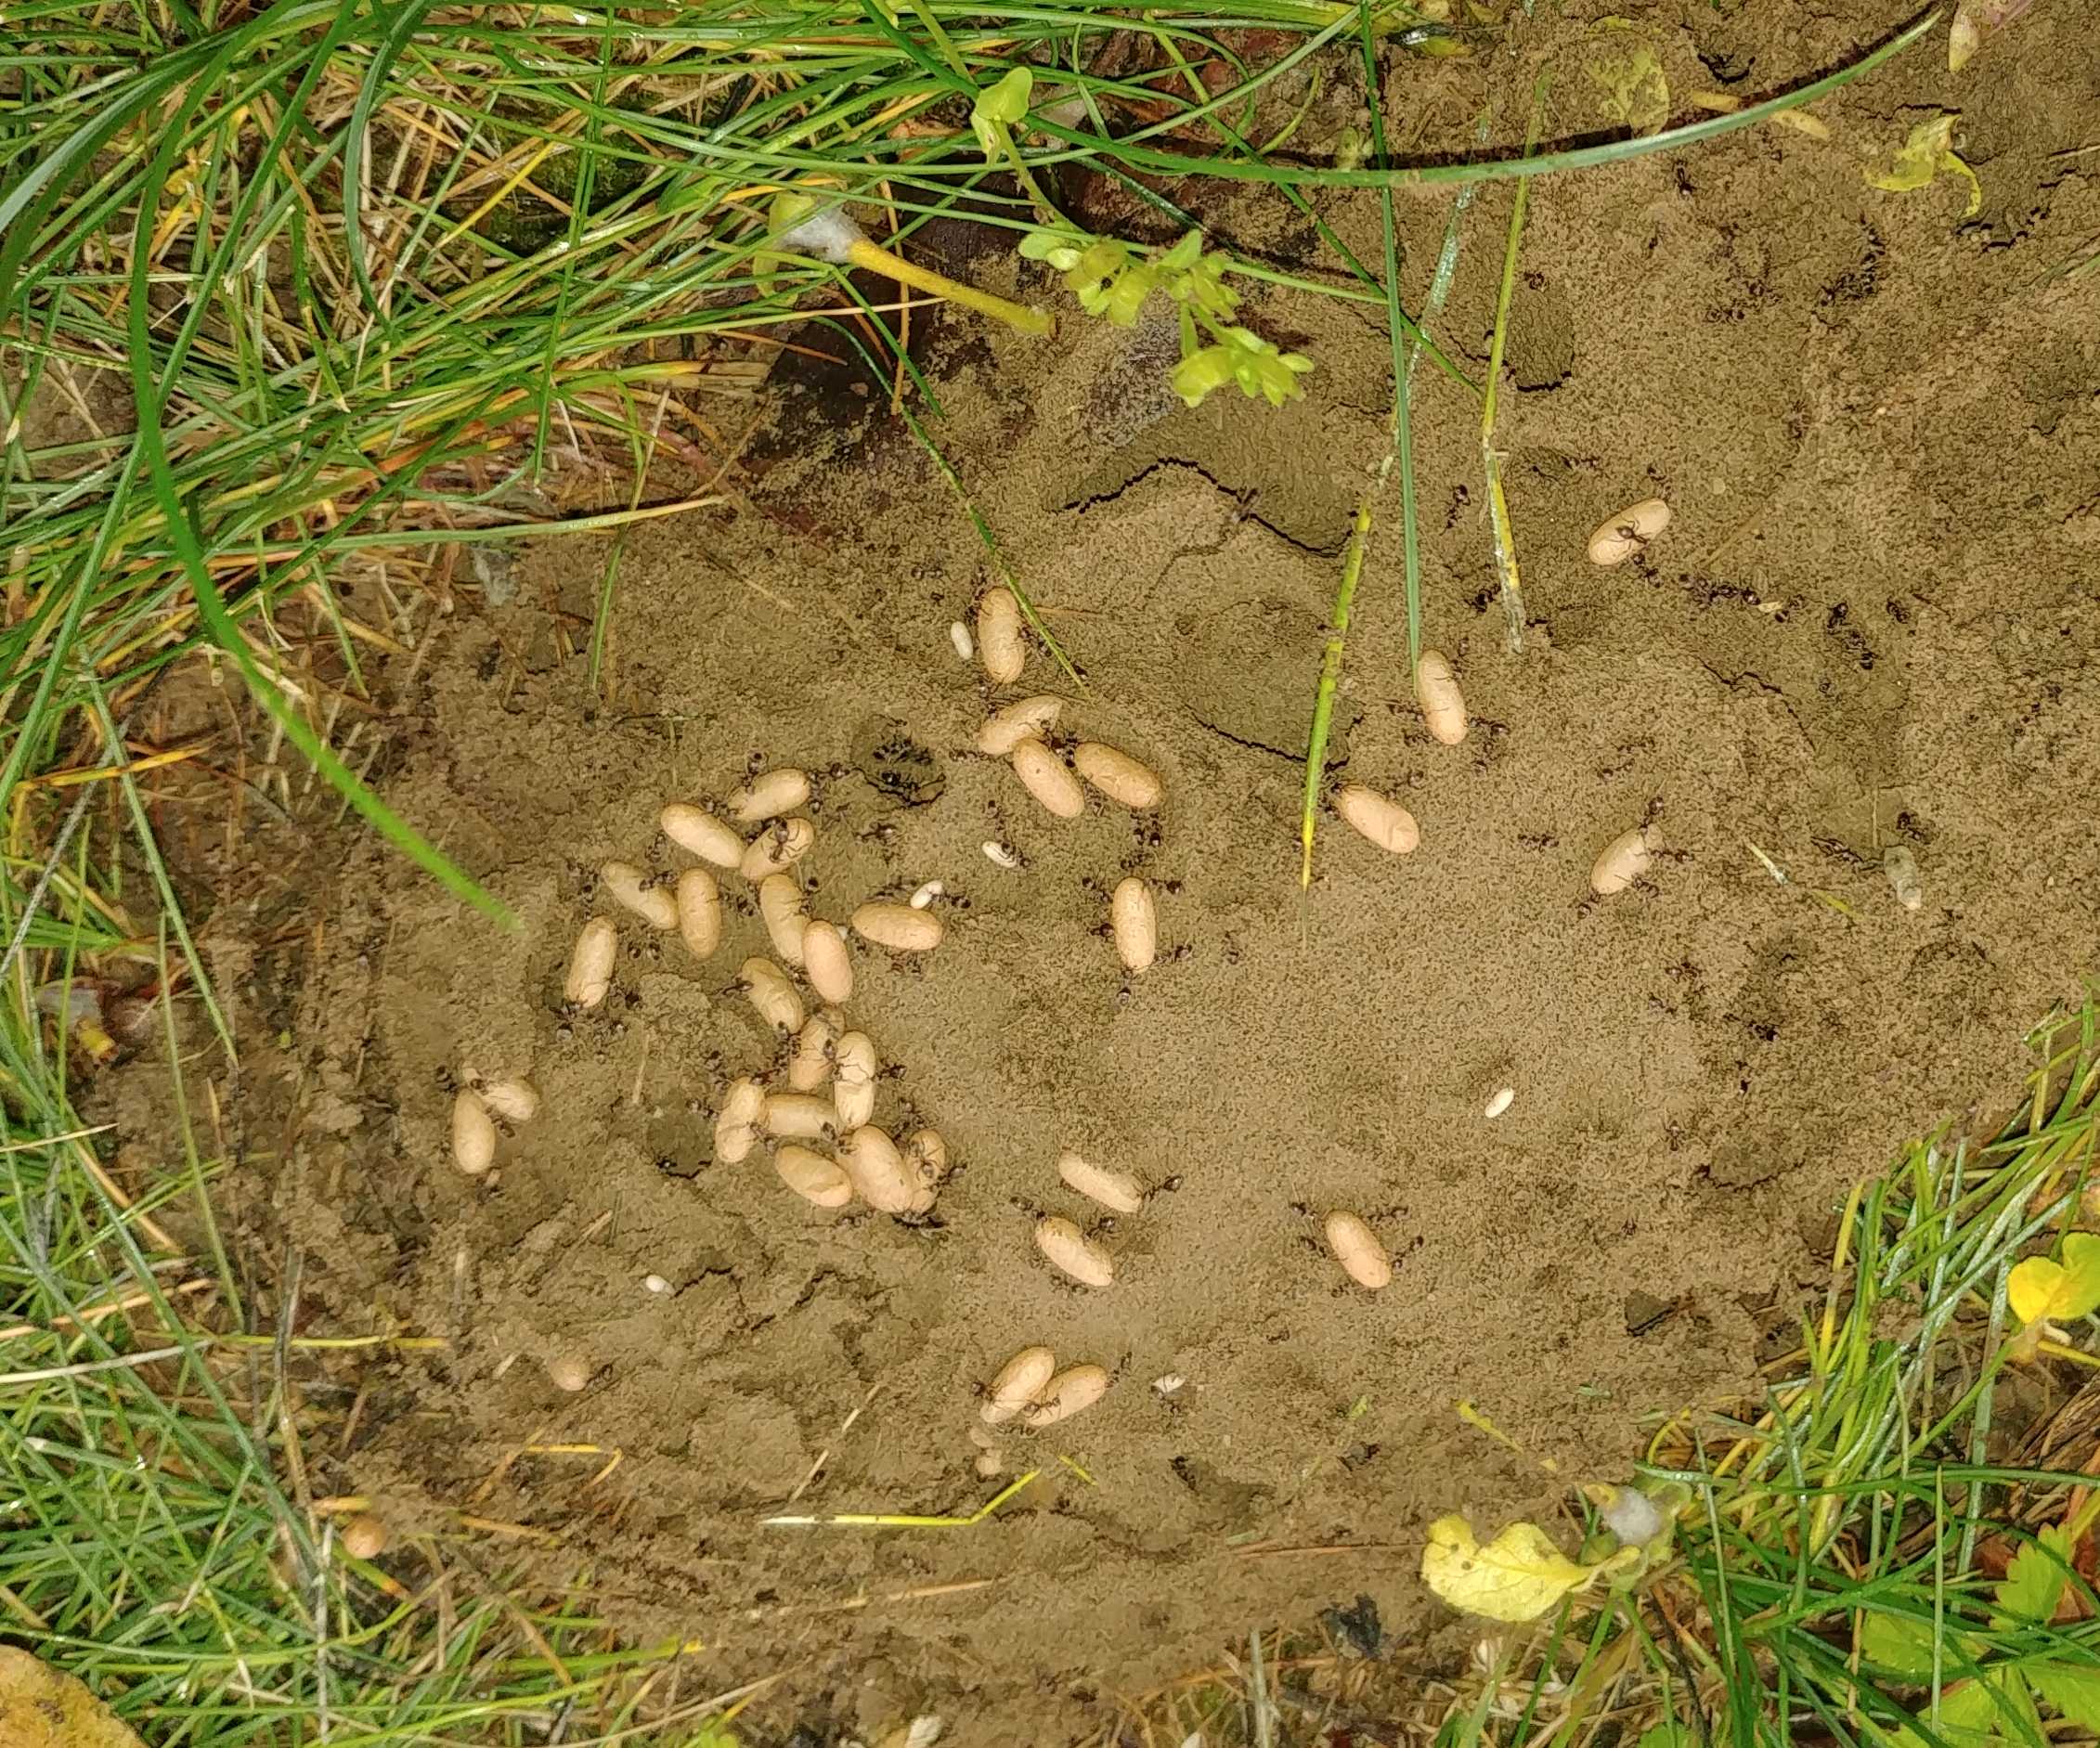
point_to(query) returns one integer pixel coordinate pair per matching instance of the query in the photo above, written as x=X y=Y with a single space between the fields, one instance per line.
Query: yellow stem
x=876 y=259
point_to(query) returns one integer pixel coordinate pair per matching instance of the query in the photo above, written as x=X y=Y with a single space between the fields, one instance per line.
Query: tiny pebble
x=927 y=894
x=1500 y=1102
x=657 y=1283
x=998 y=852
x=959 y=635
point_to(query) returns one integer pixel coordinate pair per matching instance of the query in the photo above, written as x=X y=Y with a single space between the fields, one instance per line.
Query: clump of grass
x=317 y=286
x=1870 y=1559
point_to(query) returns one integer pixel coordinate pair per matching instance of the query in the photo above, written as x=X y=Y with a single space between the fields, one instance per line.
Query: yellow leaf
x=2040 y=1290
x=1927 y=153
x=1633 y=87
x=1518 y=1576
x=41 y=1708
x=2033 y=1288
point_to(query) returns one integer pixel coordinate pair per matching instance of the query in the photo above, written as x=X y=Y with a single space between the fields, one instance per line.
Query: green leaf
x=1670 y=1734
x=2072 y=1690
x=1201 y=373
x=1970 y=1713
x=1898 y=1643
x=999 y=107
x=2033 y=1584
x=1061 y=249
x=1126 y=297
x=1184 y=254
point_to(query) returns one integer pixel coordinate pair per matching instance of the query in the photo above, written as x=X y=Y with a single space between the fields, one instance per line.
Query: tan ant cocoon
x=515 y=1098
x=1621 y=862
x=809 y=1060
x=879 y=1177
x=1020 y=1382
x=629 y=888
x=699 y=833
x=736 y=1124
x=1135 y=922
x=1043 y=775
x=591 y=966
x=1628 y=531
x=1075 y=1388
x=1504 y=1097
x=898 y=927
x=1117 y=774
x=1357 y=1248
x=699 y=912
x=1443 y=705
x=1386 y=823
x=769 y=795
x=800 y=1117
x=853 y=1088
x=927 y=1154
x=771 y=994
x=1117 y=1191
x=825 y=962
x=1070 y=1251
x=779 y=847
x=473 y=1132
x=813 y=1177
x=780 y=907
x=1007 y=727
x=1001 y=643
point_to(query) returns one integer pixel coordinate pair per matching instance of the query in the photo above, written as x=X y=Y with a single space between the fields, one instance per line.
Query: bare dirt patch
x=1872 y=622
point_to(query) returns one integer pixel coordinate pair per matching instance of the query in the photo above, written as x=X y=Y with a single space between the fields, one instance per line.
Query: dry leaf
x=1518 y=1576
x=1635 y=89
x=1927 y=152
x=41 y=1708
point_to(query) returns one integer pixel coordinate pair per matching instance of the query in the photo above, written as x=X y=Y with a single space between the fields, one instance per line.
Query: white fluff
x=1633 y=1517
x=827 y=233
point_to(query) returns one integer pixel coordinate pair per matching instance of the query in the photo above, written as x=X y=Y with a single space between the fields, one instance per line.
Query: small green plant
x=1988 y=1690
x=1114 y=279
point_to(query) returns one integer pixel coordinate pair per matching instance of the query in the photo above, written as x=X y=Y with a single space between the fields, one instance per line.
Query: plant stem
x=1401 y=450
x=876 y=259
x=1131 y=153
x=1491 y=462
x=1331 y=677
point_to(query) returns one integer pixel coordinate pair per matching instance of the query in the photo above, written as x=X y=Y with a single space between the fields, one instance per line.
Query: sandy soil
x=1871 y=622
